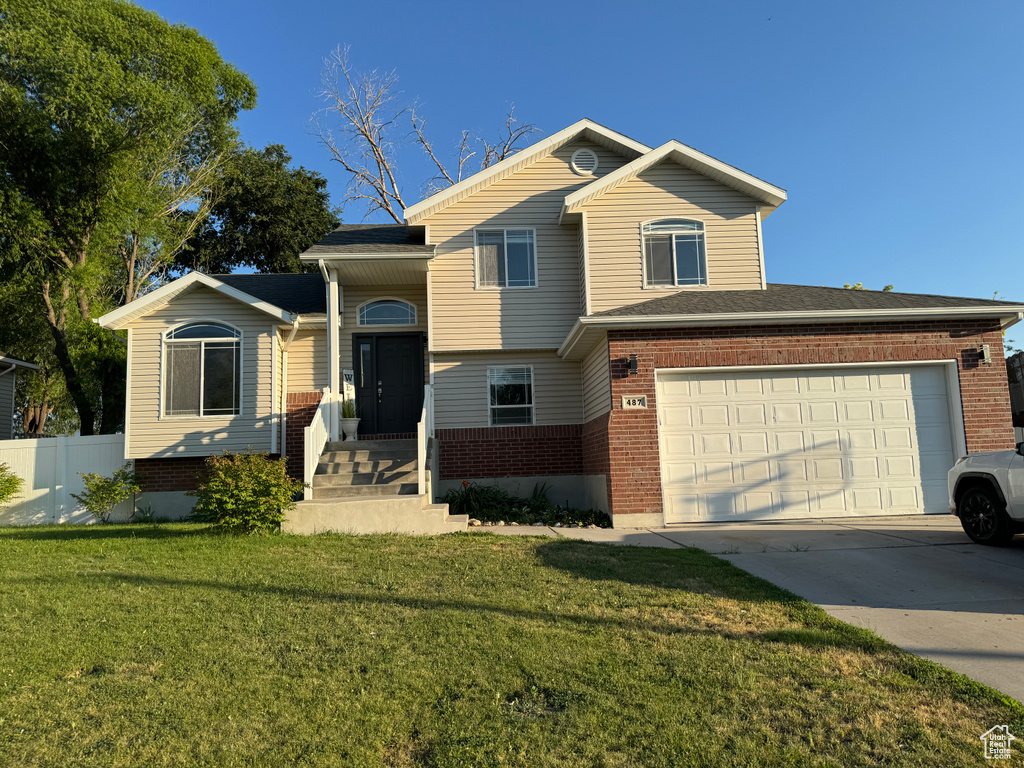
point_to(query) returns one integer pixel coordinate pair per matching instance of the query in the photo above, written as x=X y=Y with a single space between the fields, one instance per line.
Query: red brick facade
x=301 y=410
x=176 y=474
x=510 y=451
x=634 y=481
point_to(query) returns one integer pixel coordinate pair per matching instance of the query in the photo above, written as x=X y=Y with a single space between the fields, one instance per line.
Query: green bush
x=245 y=492
x=489 y=504
x=348 y=409
x=10 y=484
x=102 y=494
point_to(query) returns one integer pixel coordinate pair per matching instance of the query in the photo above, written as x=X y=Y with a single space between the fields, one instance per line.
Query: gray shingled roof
x=792 y=298
x=299 y=294
x=371 y=238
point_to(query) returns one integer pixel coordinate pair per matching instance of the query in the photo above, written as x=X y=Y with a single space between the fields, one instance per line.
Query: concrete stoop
x=370 y=487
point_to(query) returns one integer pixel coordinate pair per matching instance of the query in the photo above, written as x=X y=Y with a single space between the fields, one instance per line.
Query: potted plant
x=349 y=420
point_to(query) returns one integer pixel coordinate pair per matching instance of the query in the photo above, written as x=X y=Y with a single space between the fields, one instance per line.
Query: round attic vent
x=584 y=162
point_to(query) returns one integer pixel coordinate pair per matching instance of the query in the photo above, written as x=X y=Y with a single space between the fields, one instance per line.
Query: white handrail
x=424 y=430
x=315 y=437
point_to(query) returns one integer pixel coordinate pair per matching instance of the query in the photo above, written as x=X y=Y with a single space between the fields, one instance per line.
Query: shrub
x=10 y=484
x=489 y=504
x=102 y=494
x=245 y=492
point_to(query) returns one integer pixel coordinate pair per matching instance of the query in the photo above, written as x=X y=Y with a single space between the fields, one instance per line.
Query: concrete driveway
x=919 y=582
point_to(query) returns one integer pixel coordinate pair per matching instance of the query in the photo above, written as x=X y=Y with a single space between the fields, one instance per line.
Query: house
x=590 y=313
x=9 y=367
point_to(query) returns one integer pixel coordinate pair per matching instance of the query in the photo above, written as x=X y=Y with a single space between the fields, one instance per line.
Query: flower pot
x=350 y=427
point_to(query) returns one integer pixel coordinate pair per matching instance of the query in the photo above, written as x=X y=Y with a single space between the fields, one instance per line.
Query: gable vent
x=584 y=162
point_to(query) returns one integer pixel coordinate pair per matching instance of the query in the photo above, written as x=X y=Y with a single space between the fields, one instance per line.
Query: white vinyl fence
x=50 y=468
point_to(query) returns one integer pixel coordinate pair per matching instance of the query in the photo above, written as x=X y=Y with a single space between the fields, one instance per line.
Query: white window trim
x=476 y=260
x=533 y=396
x=164 y=342
x=415 y=312
x=675 y=287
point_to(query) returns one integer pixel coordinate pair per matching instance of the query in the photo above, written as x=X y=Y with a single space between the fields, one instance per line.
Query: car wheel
x=983 y=518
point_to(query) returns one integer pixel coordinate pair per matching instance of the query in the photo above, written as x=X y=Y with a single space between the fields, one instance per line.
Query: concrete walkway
x=919 y=582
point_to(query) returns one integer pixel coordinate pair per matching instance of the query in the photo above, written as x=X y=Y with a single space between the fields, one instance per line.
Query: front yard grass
x=171 y=645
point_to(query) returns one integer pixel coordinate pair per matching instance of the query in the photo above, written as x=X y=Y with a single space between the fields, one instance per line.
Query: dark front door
x=389 y=381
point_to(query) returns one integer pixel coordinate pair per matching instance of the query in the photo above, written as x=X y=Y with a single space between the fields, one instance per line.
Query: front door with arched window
x=388 y=367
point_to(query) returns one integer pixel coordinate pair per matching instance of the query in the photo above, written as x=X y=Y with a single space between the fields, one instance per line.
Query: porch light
x=632 y=365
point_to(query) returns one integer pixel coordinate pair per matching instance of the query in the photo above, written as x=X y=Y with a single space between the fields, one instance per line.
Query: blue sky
x=895 y=127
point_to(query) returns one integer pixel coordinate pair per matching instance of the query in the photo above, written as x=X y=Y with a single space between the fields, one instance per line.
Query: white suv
x=986 y=491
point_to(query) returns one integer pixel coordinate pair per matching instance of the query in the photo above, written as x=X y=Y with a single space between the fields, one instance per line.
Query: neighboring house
x=593 y=314
x=9 y=368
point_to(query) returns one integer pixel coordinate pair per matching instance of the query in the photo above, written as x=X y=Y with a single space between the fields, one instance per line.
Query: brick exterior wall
x=510 y=451
x=176 y=474
x=634 y=484
x=301 y=410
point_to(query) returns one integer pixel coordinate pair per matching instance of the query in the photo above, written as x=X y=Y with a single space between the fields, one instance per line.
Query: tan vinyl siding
x=460 y=388
x=7 y=405
x=307 y=361
x=581 y=246
x=153 y=436
x=466 y=317
x=597 y=383
x=613 y=229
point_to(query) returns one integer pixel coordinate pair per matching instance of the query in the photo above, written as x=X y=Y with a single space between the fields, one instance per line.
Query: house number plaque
x=634 y=401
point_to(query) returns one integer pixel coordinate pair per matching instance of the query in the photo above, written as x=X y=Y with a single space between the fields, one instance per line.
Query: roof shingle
x=780 y=297
x=371 y=238
x=299 y=294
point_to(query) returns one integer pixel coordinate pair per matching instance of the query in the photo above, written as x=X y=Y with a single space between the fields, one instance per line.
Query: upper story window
x=506 y=258
x=510 y=395
x=674 y=253
x=387 y=312
x=202 y=370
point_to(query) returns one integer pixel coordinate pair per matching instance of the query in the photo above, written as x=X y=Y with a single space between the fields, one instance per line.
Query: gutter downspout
x=4 y=373
x=284 y=385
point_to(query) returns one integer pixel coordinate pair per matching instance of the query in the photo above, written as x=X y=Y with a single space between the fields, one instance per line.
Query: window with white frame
x=506 y=258
x=202 y=370
x=510 y=395
x=387 y=312
x=674 y=253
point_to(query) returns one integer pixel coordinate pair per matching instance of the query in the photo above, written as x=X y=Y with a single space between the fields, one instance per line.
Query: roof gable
x=687 y=157
x=133 y=310
x=587 y=129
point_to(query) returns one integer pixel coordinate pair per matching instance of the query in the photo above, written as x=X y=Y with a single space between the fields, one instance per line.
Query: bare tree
x=369 y=127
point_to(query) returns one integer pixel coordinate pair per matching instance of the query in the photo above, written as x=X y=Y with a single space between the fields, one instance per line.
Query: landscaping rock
x=513 y=523
x=500 y=522
x=474 y=521
x=538 y=525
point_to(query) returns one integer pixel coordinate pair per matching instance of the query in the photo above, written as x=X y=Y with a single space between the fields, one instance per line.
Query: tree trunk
x=86 y=413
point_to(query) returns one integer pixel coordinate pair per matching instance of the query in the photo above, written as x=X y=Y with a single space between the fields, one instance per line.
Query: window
x=674 y=253
x=387 y=312
x=511 y=396
x=202 y=370
x=505 y=258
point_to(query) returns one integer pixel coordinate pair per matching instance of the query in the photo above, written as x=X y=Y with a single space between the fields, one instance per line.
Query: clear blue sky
x=895 y=127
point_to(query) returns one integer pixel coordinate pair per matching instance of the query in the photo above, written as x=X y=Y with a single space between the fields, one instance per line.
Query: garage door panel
x=832 y=442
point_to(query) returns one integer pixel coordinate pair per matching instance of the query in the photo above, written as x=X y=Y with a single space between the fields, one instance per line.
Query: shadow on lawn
x=100 y=531
x=818 y=630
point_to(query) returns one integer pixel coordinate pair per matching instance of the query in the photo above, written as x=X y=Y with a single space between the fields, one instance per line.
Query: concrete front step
x=364 y=478
x=348 y=491
x=411 y=514
x=328 y=466
x=371 y=454
x=389 y=446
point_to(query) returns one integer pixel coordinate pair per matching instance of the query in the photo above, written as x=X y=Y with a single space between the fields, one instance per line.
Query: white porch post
x=333 y=351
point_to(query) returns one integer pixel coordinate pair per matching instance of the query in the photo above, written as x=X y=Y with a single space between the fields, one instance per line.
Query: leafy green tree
x=264 y=215
x=111 y=119
x=860 y=287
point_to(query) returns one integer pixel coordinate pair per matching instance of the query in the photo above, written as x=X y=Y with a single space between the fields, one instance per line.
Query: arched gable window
x=202 y=370
x=387 y=312
x=674 y=253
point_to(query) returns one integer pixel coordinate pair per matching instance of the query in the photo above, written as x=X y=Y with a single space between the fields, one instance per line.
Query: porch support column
x=333 y=351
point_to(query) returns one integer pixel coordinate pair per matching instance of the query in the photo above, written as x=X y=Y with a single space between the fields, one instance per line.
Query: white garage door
x=790 y=443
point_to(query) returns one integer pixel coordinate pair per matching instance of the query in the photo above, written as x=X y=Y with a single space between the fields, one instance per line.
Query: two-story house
x=590 y=313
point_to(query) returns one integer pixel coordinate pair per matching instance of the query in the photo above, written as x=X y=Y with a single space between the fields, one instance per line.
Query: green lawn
x=169 y=645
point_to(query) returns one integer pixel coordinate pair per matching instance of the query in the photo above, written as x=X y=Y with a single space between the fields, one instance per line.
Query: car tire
x=983 y=518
